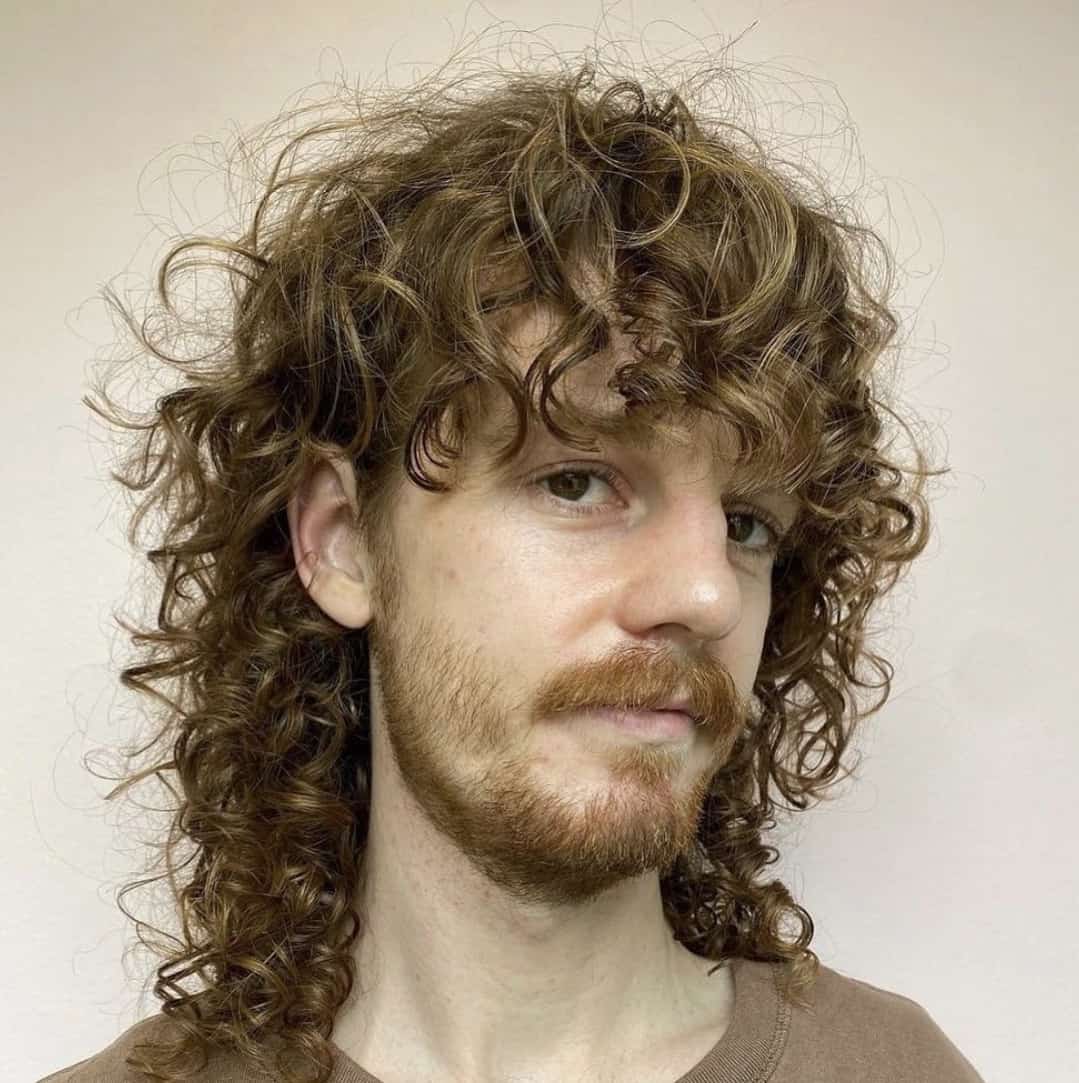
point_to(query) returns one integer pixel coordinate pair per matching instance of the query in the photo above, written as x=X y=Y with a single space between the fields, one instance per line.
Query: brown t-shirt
x=853 y=1033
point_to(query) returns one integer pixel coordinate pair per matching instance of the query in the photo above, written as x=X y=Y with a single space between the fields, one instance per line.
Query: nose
x=685 y=571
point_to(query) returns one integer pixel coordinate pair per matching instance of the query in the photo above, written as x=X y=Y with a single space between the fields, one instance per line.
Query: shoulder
x=108 y=1065
x=860 y=1032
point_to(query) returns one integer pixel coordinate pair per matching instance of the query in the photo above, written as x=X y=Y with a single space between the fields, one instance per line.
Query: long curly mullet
x=363 y=314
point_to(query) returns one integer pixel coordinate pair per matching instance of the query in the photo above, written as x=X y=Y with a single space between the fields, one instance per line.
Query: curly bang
x=368 y=292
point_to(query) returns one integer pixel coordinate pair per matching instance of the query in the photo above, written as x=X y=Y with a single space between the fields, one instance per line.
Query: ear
x=330 y=558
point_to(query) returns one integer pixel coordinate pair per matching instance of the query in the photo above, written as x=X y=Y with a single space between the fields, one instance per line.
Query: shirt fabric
x=853 y=1033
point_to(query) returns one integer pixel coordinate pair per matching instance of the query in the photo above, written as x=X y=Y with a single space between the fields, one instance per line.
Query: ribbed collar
x=747 y=1052
x=756 y=1036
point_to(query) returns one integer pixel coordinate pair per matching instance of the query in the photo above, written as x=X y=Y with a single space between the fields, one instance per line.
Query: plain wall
x=947 y=870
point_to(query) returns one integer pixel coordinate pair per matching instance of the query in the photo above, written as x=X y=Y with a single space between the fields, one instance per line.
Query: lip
x=661 y=725
x=679 y=703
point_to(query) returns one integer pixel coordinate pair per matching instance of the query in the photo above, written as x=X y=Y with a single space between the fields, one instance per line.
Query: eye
x=581 y=474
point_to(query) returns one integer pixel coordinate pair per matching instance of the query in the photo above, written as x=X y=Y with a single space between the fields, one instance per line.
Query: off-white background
x=947 y=871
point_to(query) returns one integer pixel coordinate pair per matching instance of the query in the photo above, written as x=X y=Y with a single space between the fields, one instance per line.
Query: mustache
x=648 y=678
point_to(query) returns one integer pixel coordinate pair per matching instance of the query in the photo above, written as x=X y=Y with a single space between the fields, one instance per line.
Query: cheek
x=477 y=577
x=746 y=661
x=498 y=578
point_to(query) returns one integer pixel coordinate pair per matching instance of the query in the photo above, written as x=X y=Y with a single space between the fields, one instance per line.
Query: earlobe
x=325 y=546
x=341 y=596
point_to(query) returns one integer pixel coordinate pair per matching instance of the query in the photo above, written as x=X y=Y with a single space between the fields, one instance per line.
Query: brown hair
x=364 y=316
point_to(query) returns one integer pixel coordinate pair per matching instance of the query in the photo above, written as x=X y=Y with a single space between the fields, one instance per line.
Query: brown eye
x=580 y=483
x=769 y=524
x=581 y=475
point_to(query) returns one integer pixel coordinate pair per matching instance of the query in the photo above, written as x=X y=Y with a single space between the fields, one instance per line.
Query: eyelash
x=605 y=473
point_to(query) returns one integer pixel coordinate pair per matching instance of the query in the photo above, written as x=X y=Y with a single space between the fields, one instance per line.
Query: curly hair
x=366 y=294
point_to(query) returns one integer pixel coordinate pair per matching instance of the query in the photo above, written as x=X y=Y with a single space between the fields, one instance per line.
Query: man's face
x=497 y=610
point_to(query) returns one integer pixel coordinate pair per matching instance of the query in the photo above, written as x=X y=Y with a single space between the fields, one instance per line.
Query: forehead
x=683 y=435
x=587 y=385
x=685 y=438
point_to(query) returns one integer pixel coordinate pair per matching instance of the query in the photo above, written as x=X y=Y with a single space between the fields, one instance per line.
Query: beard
x=545 y=828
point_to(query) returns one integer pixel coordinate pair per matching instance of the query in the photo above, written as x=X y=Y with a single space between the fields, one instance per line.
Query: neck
x=457 y=980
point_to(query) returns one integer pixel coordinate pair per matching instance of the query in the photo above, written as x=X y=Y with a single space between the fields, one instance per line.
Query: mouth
x=659 y=725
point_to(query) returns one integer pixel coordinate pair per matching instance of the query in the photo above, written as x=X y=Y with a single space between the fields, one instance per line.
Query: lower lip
x=657 y=725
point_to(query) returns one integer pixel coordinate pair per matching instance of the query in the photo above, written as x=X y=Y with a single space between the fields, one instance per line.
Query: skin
x=515 y=929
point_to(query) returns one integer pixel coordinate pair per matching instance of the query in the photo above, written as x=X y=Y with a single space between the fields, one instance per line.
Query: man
x=539 y=787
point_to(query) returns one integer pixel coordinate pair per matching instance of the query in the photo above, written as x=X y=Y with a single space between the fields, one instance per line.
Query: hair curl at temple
x=367 y=290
